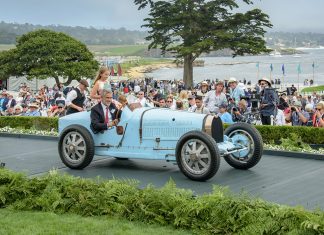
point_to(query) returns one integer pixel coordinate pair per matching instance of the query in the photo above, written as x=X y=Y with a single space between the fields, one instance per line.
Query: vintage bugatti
x=196 y=142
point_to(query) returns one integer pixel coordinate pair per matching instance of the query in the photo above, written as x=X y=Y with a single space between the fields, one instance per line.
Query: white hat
x=309 y=107
x=232 y=79
x=35 y=105
x=204 y=83
x=265 y=79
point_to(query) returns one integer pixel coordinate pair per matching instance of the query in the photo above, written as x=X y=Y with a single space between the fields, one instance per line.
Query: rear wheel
x=76 y=147
x=197 y=155
x=247 y=136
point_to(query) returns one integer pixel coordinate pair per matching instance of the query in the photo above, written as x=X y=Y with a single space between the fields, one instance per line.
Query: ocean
x=247 y=67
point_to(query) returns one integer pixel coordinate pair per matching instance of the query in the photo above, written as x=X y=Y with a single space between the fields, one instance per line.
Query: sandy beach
x=139 y=72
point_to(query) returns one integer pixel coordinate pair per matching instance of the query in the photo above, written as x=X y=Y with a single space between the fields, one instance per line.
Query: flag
x=112 y=72
x=283 y=69
x=299 y=69
x=271 y=67
x=119 y=70
x=257 y=65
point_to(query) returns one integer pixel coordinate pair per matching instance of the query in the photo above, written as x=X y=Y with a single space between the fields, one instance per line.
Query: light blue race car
x=196 y=142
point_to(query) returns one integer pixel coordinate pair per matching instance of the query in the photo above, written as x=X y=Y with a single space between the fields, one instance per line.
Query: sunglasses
x=169 y=101
x=262 y=83
x=318 y=109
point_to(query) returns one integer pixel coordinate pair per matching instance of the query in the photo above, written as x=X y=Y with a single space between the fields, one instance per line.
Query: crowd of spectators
x=230 y=99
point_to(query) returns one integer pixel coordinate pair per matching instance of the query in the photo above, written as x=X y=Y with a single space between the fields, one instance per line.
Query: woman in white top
x=100 y=83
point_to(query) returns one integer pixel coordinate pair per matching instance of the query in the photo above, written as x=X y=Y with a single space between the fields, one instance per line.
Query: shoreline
x=138 y=72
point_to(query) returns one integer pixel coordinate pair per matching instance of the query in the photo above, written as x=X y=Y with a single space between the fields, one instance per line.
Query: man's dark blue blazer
x=97 y=116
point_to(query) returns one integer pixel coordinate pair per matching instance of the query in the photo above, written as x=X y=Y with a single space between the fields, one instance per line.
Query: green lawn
x=122 y=50
x=4 y=47
x=104 y=50
x=33 y=223
x=312 y=89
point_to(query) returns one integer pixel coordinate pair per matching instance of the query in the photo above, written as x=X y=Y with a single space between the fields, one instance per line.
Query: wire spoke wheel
x=246 y=136
x=244 y=139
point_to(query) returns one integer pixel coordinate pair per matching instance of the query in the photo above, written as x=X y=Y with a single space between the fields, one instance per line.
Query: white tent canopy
x=34 y=84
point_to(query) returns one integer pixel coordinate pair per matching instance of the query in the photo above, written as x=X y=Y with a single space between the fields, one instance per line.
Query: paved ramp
x=283 y=180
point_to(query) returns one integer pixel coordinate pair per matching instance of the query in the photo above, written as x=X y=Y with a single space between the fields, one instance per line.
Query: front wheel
x=76 y=147
x=197 y=155
x=244 y=135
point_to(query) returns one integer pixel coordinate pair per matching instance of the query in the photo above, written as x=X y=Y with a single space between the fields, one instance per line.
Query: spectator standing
x=140 y=98
x=269 y=101
x=200 y=107
x=297 y=116
x=11 y=101
x=280 y=119
x=214 y=98
x=203 y=89
x=3 y=101
x=319 y=115
x=236 y=92
x=76 y=98
x=169 y=102
x=192 y=103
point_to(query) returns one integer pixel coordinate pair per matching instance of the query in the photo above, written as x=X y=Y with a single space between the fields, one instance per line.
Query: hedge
x=38 y=123
x=309 y=135
x=220 y=212
x=269 y=134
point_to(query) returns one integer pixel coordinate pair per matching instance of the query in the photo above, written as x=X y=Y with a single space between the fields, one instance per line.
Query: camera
x=293 y=109
x=234 y=109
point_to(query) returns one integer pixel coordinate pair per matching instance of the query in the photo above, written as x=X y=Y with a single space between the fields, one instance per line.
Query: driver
x=103 y=114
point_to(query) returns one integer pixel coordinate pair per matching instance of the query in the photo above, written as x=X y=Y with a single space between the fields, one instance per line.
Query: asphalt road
x=283 y=180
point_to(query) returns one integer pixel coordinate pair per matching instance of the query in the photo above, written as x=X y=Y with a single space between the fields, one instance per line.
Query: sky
x=285 y=15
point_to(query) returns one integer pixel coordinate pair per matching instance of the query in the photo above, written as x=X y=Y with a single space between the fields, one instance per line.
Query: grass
x=33 y=223
x=312 y=89
x=143 y=61
x=104 y=50
x=5 y=47
x=122 y=50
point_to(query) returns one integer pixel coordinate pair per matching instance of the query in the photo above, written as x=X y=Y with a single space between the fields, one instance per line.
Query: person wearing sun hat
x=203 y=89
x=33 y=110
x=236 y=92
x=269 y=101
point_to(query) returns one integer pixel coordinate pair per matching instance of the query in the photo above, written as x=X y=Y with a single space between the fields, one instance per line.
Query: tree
x=189 y=28
x=44 y=53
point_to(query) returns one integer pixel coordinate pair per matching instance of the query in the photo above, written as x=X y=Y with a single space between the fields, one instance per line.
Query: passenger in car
x=103 y=114
x=123 y=101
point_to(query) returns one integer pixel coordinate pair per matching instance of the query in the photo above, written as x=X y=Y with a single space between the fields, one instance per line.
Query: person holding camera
x=238 y=114
x=297 y=116
x=318 y=119
x=269 y=101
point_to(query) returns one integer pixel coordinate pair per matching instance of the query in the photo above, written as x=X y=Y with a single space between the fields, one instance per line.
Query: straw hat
x=204 y=83
x=264 y=79
x=35 y=105
x=232 y=80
